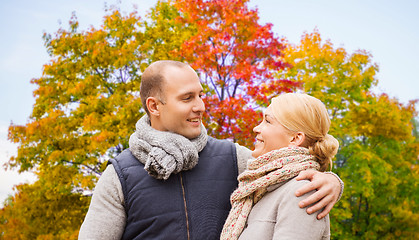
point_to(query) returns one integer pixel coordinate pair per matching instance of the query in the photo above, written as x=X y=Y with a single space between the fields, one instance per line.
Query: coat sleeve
x=106 y=216
x=293 y=222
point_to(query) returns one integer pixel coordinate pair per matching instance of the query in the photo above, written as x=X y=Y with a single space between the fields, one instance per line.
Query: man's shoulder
x=213 y=139
x=220 y=143
x=124 y=159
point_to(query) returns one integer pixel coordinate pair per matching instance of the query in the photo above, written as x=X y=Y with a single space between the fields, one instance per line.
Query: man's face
x=182 y=107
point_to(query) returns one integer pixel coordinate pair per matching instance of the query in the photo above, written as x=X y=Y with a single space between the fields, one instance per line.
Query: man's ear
x=298 y=139
x=153 y=106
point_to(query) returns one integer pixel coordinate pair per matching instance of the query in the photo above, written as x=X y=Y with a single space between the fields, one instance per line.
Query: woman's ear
x=298 y=139
x=153 y=106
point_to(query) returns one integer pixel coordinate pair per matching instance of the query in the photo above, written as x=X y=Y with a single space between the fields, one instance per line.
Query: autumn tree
x=86 y=106
x=381 y=166
x=87 y=101
x=378 y=156
x=236 y=57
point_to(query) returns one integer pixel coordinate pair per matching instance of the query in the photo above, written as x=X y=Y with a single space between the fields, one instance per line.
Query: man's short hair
x=152 y=80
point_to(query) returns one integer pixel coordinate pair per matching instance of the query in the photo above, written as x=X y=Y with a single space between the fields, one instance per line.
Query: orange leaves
x=103 y=136
x=227 y=35
x=263 y=93
x=232 y=116
x=233 y=54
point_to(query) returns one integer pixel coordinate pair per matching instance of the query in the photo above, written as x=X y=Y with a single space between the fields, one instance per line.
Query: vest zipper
x=184 y=202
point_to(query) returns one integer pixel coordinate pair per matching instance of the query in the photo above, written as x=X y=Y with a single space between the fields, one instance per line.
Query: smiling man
x=174 y=181
x=180 y=108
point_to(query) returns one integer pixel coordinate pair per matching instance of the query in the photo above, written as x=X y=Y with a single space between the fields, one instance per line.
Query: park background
x=386 y=29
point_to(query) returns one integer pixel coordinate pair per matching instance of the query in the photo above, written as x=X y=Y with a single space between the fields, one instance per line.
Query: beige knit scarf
x=271 y=168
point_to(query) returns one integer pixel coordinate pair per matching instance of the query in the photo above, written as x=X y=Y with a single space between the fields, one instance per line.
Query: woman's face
x=271 y=135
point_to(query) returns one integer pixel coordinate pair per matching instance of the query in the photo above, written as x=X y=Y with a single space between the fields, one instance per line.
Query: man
x=174 y=181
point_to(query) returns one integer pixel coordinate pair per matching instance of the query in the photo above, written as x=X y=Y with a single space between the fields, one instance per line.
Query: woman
x=292 y=137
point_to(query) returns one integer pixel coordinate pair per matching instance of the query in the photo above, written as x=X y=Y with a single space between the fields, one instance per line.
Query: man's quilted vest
x=192 y=204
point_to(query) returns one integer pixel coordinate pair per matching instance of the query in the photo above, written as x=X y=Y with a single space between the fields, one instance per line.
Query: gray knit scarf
x=164 y=153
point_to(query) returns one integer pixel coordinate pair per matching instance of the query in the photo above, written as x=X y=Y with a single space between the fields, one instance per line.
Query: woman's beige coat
x=277 y=216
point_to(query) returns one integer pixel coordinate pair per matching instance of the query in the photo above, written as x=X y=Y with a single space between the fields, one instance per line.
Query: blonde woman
x=292 y=137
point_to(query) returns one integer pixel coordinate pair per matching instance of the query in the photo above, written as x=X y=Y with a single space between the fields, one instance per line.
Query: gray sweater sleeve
x=243 y=155
x=106 y=216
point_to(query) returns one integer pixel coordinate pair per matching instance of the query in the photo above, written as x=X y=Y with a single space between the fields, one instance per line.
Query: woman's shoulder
x=288 y=186
x=282 y=196
x=278 y=216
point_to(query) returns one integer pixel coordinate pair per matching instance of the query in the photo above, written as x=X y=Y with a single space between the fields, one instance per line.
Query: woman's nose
x=257 y=129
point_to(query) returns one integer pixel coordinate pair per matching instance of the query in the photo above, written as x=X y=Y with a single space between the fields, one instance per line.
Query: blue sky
x=388 y=29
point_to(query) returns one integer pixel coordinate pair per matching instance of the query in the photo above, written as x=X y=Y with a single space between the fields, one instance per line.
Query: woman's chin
x=255 y=154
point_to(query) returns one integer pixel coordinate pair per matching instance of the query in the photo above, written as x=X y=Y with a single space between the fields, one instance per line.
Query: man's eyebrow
x=190 y=93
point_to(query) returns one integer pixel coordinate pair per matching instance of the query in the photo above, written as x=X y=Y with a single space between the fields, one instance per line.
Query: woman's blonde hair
x=303 y=113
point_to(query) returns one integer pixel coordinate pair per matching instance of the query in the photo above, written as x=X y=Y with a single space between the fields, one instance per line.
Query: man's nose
x=199 y=106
